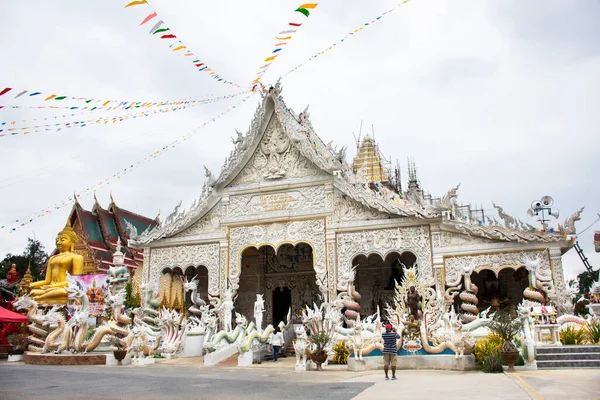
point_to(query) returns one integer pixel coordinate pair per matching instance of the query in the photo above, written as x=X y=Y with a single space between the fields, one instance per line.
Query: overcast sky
x=501 y=96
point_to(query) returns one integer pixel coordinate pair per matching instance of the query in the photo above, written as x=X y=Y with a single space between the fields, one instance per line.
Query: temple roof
x=102 y=228
x=332 y=165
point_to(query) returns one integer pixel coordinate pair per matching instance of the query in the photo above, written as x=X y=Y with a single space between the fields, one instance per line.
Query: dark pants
x=276 y=352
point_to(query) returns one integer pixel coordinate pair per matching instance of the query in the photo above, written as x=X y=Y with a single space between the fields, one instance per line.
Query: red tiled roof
x=102 y=229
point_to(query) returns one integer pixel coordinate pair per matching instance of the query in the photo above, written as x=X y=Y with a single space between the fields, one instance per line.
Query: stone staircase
x=568 y=357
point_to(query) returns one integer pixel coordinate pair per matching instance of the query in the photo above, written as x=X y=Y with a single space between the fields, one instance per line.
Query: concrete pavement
x=190 y=379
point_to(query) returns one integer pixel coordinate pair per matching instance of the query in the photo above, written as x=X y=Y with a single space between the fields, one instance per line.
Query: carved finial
x=75 y=198
x=111 y=198
x=157 y=219
x=96 y=199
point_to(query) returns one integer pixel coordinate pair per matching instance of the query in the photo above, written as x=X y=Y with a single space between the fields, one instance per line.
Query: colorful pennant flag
x=107 y=105
x=160 y=28
x=352 y=33
x=67 y=202
x=8 y=129
x=282 y=39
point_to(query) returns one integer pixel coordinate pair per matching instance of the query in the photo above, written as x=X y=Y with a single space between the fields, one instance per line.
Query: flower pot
x=319 y=359
x=120 y=355
x=510 y=358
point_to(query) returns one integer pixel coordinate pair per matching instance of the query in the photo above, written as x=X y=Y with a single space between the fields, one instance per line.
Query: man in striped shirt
x=390 y=350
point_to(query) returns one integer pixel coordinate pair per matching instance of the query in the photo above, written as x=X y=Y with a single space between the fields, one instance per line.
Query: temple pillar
x=223 y=271
x=330 y=244
x=439 y=273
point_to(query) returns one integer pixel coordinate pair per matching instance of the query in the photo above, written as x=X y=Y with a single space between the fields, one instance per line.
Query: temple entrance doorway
x=282 y=301
x=376 y=278
x=503 y=290
x=285 y=276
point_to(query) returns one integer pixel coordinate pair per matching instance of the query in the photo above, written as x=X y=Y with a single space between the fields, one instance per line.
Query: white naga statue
x=259 y=309
x=226 y=309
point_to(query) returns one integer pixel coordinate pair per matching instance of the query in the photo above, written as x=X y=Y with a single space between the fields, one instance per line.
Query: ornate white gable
x=209 y=223
x=276 y=158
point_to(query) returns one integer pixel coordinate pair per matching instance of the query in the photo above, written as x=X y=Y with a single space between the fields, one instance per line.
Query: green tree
x=34 y=253
x=586 y=280
x=10 y=259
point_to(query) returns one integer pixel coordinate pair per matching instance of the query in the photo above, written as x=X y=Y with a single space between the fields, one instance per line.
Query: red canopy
x=11 y=316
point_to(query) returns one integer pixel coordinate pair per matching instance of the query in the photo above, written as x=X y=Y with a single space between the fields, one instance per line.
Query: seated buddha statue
x=52 y=289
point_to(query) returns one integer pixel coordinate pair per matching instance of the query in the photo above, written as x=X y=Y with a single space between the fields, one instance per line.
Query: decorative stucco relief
x=457 y=266
x=275 y=158
x=347 y=209
x=310 y=231
x=208 y=224
x=414 y=239
x=305 y=198
x=185 y=256
x=450 y=239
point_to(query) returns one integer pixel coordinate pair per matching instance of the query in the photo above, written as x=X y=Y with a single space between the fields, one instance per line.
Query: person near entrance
x=390 y=351
x=276 y=342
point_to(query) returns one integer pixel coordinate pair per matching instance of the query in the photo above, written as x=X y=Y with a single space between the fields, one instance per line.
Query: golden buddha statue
x=52 y=289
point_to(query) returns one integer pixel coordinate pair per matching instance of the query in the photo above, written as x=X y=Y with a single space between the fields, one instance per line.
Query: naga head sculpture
x=52 y=316
x=190 y=285
x=24 y=302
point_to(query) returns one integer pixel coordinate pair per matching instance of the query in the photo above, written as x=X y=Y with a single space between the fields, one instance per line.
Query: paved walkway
x=188 y=378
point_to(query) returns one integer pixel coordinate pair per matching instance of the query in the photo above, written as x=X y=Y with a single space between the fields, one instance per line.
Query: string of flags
x=58 y=126
x=283 y=38
x=161 y=30
x=350 y=34
x=96 y=104
x=8 y=129
x=19 y=223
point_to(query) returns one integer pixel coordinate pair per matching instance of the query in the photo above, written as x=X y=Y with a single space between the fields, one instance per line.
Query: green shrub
x=319 y=340
x=592 y=330
x=572 y=335
x=341 y=353
x=131 y=300
x=487 y=353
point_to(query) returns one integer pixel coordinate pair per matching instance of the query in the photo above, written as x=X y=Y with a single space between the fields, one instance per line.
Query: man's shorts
x=389 y=359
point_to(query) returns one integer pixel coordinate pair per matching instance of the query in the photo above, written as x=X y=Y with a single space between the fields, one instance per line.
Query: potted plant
x=118 y=350
x=318 y=353
x=507 y=326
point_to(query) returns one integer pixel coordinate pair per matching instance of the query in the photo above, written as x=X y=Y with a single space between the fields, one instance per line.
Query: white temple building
x=288 y=217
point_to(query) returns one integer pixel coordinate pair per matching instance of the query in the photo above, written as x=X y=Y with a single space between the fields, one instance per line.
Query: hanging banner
x=67 y=202
x=282 y=40
x=161 y=30
x=350 y=34
x=96 y=289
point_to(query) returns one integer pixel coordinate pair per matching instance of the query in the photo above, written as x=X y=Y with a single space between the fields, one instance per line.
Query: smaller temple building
x=98 y=232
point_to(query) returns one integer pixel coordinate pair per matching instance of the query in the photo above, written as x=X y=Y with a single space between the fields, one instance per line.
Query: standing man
x=390 y=351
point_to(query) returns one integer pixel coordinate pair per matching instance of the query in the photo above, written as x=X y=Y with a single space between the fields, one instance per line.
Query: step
x=231 y=361
x=568 y=349
x=568 y=364
x=567 y=356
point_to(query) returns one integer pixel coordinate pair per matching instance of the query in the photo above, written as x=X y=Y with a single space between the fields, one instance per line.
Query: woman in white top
x=276 y=342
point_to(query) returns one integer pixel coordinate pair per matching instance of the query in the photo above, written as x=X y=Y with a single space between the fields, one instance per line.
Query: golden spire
x=111 y=198
x=26 y=280
x=96 y=199
x=368 y=161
